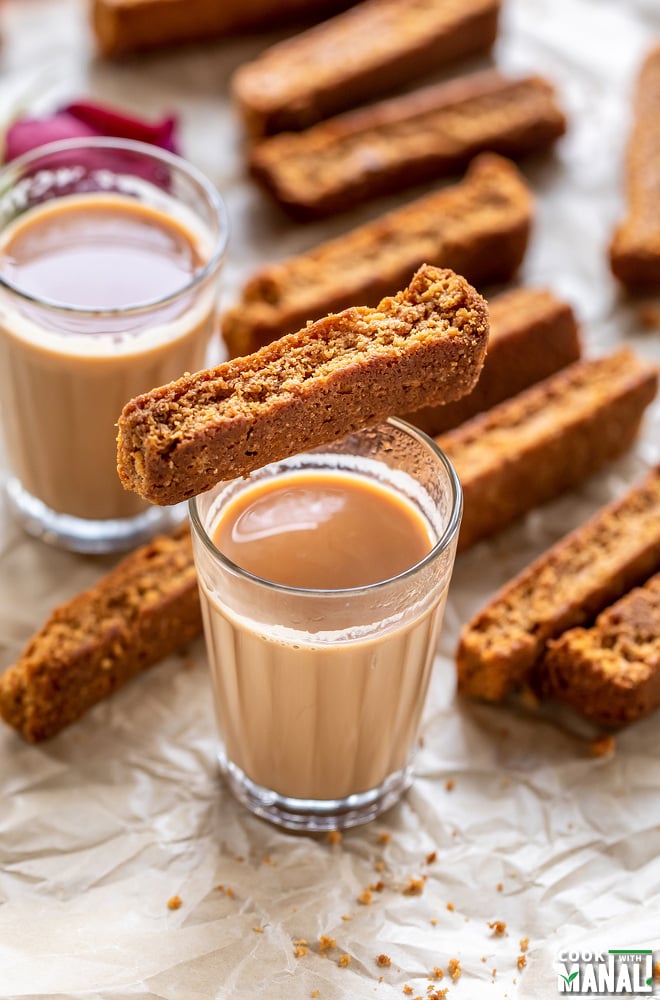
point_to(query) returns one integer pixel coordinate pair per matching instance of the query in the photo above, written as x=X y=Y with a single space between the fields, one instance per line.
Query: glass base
x=316 y=815
x=92 y=537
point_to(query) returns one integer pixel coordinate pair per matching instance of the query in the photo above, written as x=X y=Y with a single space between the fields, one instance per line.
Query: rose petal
x=28 y=133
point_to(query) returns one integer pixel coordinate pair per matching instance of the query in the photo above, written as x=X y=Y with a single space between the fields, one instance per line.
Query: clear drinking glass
x=319 y=693
x=66 y=371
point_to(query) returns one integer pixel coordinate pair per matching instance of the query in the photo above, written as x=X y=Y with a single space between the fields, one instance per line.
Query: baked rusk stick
x=609 y=673
x=141 y=611
x=392 y=145
x=532 y=335
x=635 y=249
x=356 y=56
x=567 y=586
x=546 y=440
x=341 y=373
x=123 y=26
x=478 y=228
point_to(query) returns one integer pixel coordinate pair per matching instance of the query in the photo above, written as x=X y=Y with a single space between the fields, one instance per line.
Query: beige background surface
x=99 y=827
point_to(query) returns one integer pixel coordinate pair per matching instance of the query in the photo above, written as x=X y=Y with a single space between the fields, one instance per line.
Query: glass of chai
x=109 y=258
x=323 y=581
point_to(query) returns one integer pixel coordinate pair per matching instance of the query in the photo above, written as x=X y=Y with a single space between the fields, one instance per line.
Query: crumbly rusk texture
x=341 y=373
x=568 y=585
x=145 y=608
x=546 y=440
x=356 y=56
x=635 y=249
x=392 y=145
x=610 y=673
x=532 y=335
x=478 y=228
x=123 y=26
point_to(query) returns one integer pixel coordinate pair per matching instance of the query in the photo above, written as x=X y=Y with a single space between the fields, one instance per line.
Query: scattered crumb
x=454 y=833
x=649 y=317
x=220 y=888
x=438 y=994
x=380 y=866
x=529 y=697
x=451 y=907
x=346 y=916
x=455 y=969
x=500 y=887
x=450 y=784
x=384 y=838
x=239 y=858
x=267 y=860
x=258 y=930
x=483 y=958
x=524 y=944
x=408 y=990
x=174 y=903
x=334 y=836
x=603 y=746
x=493 y=973
x=384 y=961
x=438 y=973
x=300 y=948
x=344 y=961
x=430 y=858
x=327 y=943
x=521 y=963
x=415 y=887
x=434 y=921
x=364 y=898
x=229 y=892
x=315 y=993
x=498 y=927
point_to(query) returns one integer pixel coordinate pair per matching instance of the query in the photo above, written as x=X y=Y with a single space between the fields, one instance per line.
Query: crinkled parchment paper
x=101 y=826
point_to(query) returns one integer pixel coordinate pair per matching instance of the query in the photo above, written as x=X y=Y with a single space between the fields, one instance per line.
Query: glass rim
x=443 y=542
x=8 y=180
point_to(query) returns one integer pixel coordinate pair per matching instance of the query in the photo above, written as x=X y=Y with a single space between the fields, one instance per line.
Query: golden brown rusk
x=567 y=586
x=610 y=673
x=635 y=250
x=546 y=440
x=356 y=56
x=144 y=609
x=478 y=228
x=392 y=145
x=350 y=370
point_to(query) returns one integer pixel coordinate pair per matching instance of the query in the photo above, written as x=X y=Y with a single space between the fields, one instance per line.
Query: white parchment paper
x=101 y=826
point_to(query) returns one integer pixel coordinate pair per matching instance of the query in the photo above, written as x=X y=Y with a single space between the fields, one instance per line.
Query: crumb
x=384 y=961
x=220 y=888
x=524 y=944
x=430 y=858
x=521 y=963
x=438 y=973
x=327 y=943
x=649 y=317
x=434 y=921
x=494 y=973
x=258 y=930
x=500 y=887
x=455 y=969
x=602 y=747
x=334 y=836
x=384 y=838
x=377 y=886
x=450 y=785
x=229 y=892
x=438 y=994
x=451 y=907
x=364 y=898
x=415 y=887
x=346 y=916
x=315 y=993
x=454 y=833
x=267 y=860
x=294 y=909
x=344 y=961
x=408 y=990
x=239 y=858
x=483 y=958
x=174 y=903
x=300 y=948
x=380 y=866
x=529 y=698
x=570 y=826
x=498 y=927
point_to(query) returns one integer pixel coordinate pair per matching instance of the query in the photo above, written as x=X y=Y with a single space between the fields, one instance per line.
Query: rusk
x=356 y=56
x=141 y=611
x=532 y=335
x=478 y=228
x=546 y=440
x=567 y=586
x=344 y=372
x=610 y=673
x=635 y=250
x=394 y=144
